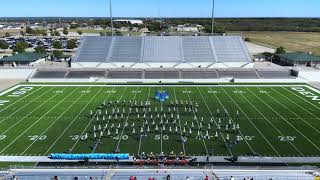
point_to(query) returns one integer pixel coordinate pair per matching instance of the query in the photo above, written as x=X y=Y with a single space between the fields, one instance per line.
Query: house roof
x=300 y=57
x=24 y=57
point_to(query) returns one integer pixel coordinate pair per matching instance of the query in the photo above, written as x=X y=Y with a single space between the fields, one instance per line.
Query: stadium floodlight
x=111 y=18
x=212 y=25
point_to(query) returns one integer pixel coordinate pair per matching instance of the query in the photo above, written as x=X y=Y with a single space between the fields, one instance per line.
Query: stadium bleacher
x=197 y=49
x=163 y=49
x=125 y=49
x=230 y=49
x=94 y=49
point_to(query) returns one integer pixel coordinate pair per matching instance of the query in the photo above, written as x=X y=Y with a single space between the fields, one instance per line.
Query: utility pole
x=212 y=25
x=111 y=19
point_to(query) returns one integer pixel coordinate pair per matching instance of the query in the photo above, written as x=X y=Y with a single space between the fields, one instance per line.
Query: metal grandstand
x=180 y=74
x=108 y=52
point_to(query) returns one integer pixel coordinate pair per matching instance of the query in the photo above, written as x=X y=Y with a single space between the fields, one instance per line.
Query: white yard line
x=14 y=113
x=9 y=90
x=67 y=128
x=99 y=140
x=161 y=132
x=120 y=137
x=204 y=143
x=26 y=116
x=140 y=141
x=29 y=94
x=52 y=123
x=180 y=127
x=215 y=122
x=294 y=112
x=252 y=123
x=35 y=123
x=286 y=121
x=274 y=127
x=84 y=130
x=233 y=121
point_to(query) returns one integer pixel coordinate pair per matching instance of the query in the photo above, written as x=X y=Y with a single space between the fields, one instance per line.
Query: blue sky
x=161 y=8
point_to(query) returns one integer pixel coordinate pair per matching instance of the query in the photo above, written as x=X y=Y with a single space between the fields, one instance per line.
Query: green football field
x=215 y=120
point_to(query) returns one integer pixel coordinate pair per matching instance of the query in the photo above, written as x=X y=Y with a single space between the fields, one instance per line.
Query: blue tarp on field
x=89 y=156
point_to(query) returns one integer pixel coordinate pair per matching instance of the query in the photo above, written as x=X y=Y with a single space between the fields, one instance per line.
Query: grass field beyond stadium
x=243 y=120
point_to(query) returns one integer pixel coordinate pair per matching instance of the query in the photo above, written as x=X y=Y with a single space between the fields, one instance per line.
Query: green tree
x=216 y=29
x=57 y=53
x=23 y=33
x=280 y=50
x=7 y=34
x=65 y=32
x=56 y=45
x=71 y=44
x=80 y=32
x=118 y=33
x=55 y=33
x=4 y=44
x=29 y=30
x=40 y=49
x=156 y=26
x=108 y=33
x=21 y=46
x=44 y=33
x=74 y=26
x=102 y=34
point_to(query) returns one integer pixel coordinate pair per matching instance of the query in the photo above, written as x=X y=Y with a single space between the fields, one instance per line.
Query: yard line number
x=287 y=138
x=111 y=92
x=136 y=92
x=158 y=137
x=212 y=92
x=2 y=137
x=186 y=92
x=247 y=138
x=37 y=137
x=77 y=137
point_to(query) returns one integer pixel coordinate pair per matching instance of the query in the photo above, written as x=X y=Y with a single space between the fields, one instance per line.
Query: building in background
x=132 y=21
x=23 y=59
x=297 y=59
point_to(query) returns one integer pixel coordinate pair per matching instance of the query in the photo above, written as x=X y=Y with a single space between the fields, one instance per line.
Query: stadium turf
x=244 y=120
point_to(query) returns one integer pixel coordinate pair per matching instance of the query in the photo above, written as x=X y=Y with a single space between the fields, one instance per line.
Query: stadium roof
x=24 y=57
x=300 y=57
x=163 y=49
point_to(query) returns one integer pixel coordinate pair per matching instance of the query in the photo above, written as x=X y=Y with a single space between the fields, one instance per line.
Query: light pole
x=111 y=19
x=212 y=25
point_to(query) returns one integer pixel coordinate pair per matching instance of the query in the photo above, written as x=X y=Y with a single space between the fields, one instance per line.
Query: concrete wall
x=15 y=73
x=225 y=80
